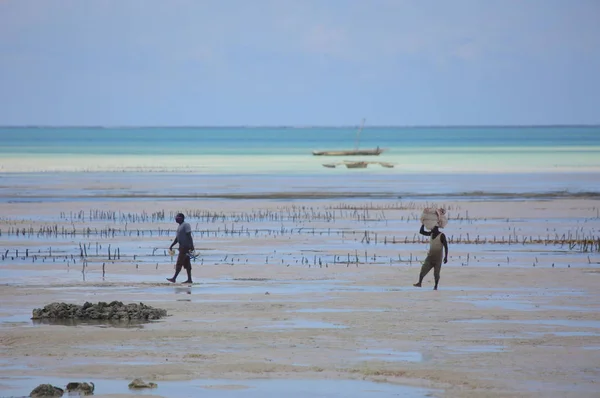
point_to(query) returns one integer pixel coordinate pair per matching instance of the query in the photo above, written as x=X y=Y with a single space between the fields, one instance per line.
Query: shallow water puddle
x=565 y=334
x=303 y=324
x=480 y=349
x=543 y=322
x=21 y=317
x=123 y=348
x=9 y=364
x=503 y=304
x=72 y=274
x=24 y=319
x=102 y=323
x=200 y=291
x=228 y=388
x=522 y=306
x=536 y=300
x=326 y=310
x=392 y=356
x=218 y=287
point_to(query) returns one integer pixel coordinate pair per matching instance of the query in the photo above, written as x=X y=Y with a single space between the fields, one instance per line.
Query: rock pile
x=139 y=383
x=77 y=388
x=81 y=388
x=46 y=390
x=115 y=310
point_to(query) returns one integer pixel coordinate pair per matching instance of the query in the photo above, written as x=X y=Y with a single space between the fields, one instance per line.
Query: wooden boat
x=356 y=165
x=352 y=152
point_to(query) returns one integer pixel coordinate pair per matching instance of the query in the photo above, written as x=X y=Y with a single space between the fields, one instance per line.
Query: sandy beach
x=306 y=292
x=305 y=142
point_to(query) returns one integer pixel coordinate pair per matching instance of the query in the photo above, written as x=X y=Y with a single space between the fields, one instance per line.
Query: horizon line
x=295 y=126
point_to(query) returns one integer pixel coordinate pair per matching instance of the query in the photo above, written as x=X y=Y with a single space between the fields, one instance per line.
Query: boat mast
x=358 y=135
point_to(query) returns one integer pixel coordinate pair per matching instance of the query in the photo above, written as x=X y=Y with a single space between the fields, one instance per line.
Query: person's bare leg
x=425 y=268
x=177 y=271
x=188 y=268
x=436 y=275
x=189 y=274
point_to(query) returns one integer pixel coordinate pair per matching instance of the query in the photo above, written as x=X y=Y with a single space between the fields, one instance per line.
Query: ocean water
x=426 y=160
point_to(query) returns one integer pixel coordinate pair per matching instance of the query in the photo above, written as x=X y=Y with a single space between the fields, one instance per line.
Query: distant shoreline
x=315 y=195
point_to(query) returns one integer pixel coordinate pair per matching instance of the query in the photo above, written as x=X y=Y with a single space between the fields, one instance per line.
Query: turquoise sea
x=231 y=160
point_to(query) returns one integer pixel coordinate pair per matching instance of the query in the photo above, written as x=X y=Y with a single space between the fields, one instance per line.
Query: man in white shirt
x=186 y=245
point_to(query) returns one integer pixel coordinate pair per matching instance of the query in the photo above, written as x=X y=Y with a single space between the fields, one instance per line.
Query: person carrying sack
x=438 y=244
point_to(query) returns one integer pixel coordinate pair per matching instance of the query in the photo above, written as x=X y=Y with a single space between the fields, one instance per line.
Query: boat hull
x=356 y=165
x=359 y=152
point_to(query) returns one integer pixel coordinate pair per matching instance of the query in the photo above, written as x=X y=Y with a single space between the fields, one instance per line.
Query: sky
x=299 y=62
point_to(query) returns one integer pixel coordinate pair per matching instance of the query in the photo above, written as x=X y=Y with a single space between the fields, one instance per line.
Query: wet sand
x=308 y=290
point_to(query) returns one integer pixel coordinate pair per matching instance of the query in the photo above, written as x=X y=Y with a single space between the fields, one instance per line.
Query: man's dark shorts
x=183 y=259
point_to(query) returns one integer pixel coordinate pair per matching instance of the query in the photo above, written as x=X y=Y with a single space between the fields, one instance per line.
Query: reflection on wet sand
x=91 y=322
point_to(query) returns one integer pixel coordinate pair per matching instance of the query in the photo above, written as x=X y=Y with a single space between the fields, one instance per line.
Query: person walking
x=438 y=252
x=186 y=245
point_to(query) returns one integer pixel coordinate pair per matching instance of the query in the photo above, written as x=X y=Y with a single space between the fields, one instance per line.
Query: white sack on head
x=432 y=217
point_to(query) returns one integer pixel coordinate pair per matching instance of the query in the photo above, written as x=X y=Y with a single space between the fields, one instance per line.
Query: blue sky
x=299 y=62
